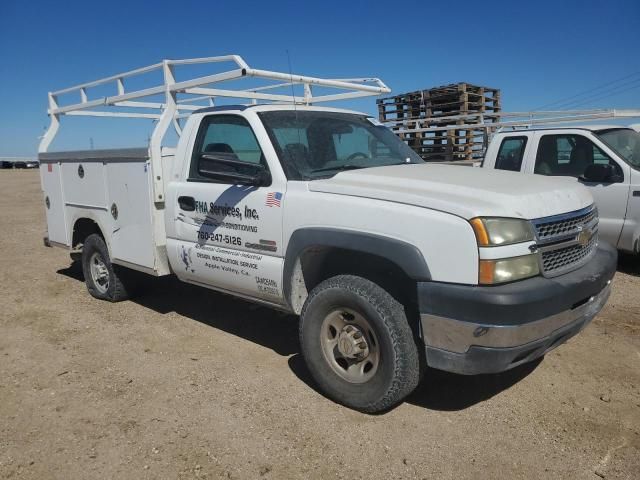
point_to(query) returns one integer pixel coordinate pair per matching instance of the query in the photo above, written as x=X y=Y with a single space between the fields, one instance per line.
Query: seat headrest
x=218 y=148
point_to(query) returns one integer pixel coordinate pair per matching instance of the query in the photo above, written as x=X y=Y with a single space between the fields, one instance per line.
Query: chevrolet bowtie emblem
x=584 y=236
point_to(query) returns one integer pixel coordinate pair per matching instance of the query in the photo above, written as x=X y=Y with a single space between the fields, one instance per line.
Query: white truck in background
x=606 y=159
x=392 y=265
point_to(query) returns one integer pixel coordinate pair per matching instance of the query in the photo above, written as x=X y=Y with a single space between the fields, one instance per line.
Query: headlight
x=501 y=231
x=508 y=269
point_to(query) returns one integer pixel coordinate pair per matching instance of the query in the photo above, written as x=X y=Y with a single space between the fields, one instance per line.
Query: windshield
x=316 y=144
x=625 y=142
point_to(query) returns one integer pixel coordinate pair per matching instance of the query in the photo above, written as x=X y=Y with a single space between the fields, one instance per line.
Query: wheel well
x=317 y=264
x=82 y=229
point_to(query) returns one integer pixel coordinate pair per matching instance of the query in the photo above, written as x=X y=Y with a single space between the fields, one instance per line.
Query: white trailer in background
x=391 y=264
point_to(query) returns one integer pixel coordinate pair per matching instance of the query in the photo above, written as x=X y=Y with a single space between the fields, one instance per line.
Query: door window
x=569 y=156
x=511 y=153
x=227 y=137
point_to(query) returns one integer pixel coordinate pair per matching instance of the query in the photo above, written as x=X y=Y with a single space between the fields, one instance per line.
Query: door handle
x=636 y=193
x=187 y=204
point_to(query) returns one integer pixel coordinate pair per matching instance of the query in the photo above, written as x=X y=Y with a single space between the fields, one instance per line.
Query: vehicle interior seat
x=321 y=145
x=224 y=151
x=221 y=148
x=581 y=157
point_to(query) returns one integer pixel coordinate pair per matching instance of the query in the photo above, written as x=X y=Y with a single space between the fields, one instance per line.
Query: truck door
x=630 y=237
x=228 y=236
x=568 y=155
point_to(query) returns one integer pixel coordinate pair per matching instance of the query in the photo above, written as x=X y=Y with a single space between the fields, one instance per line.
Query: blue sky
x=537 y=52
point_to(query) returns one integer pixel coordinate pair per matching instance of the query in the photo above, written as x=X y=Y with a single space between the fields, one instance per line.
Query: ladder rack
x=180 y=96
x=442 y=132
x=171 y=108
x=521 y=120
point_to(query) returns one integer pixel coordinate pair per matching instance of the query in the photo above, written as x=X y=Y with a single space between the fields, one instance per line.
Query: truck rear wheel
x=358 y=345
x=99 y=273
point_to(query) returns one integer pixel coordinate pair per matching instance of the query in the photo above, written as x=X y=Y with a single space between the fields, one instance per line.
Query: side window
x=568 y=155
x=511 y=153
x=227 y=137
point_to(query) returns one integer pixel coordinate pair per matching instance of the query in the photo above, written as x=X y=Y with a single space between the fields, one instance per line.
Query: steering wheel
x=355 y=155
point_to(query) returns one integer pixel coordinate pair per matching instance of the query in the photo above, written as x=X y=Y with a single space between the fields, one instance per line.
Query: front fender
x=405 y=255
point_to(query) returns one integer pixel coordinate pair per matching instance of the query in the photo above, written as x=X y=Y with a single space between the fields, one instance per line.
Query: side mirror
x=601 y=173
x=221 y=167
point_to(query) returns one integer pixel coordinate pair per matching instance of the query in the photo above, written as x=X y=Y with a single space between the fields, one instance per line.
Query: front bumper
x=473 y=329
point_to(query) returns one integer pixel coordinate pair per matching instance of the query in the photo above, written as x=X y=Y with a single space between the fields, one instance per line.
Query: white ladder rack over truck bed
x=519 y=120
x=169 y=111
x=112 y=173
x=491 y=122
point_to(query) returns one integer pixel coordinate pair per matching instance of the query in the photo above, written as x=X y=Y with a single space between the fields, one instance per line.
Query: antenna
x=293 y=98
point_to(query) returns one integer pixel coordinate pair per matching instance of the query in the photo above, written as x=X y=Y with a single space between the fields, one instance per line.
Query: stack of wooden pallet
x=438 y=111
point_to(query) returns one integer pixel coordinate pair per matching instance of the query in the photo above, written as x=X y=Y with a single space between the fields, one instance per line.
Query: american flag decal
x=273 y=199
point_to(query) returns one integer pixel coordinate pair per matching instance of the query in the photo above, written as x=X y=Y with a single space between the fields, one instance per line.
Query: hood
x=464 y=191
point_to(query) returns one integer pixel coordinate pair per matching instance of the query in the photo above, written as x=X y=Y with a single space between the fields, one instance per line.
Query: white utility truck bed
x=392 y=264
x=112 y=188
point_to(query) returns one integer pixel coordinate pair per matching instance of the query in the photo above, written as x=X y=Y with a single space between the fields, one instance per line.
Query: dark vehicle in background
x=19 y=163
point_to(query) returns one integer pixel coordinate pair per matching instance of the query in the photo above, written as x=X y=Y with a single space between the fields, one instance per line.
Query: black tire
x=115 y=291
x=398 y=367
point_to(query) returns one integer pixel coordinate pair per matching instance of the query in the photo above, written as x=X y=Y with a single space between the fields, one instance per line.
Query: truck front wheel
x=358 y=345
x=99 y=274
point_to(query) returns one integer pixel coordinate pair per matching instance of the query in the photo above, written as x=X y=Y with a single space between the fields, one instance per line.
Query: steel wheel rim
x=342 y=335
x=99 y=272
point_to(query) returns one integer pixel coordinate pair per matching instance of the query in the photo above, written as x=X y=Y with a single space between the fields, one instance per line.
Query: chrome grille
x=566 y=226
x=562 y=257
x=566 y=241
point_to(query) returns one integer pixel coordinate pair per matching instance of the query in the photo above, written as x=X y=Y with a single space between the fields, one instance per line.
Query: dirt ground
x=185 y=383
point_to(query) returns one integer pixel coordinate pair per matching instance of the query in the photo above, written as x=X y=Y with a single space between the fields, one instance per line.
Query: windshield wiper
x=339 y=168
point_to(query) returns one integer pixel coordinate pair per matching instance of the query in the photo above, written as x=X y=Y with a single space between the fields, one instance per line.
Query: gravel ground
x=185 y=383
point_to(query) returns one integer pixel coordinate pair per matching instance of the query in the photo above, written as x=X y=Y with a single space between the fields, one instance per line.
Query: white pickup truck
x=392 y=265
x=606 y=159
